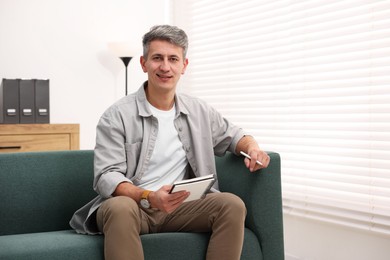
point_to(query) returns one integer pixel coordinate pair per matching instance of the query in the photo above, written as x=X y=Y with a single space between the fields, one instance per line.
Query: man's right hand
x=165 y=201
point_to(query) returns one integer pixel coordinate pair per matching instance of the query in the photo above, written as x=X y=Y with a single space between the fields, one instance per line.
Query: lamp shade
x=123 y=49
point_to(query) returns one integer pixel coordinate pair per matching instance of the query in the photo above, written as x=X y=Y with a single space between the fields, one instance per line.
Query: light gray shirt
x=126 y=135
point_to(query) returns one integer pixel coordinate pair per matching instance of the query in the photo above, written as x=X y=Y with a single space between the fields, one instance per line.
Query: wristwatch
x=144 y=199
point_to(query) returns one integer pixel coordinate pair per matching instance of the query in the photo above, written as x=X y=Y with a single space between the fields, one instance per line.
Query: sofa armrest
x=261 y=192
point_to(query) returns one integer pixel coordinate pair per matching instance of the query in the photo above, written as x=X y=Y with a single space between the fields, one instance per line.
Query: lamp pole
x=126 y=61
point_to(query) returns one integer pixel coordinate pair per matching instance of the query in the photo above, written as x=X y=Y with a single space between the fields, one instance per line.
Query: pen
x=247 y=156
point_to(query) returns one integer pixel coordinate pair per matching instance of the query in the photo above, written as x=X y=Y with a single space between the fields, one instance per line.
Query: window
x=310 y=80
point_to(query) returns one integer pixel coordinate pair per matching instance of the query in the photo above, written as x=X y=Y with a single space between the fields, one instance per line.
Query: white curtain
x=310 y=80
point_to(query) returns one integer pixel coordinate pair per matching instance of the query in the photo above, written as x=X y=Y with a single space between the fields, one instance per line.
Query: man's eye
x=156 y=58
x=174 y=59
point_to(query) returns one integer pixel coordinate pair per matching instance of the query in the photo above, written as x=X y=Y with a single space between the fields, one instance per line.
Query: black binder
x=9 y=101
x=42 y=101
x=27 y=101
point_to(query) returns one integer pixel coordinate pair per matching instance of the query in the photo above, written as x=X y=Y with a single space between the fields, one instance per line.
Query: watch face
x=145 y=203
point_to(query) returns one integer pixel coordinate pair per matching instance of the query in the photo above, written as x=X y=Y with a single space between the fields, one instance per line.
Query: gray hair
x=169 y=33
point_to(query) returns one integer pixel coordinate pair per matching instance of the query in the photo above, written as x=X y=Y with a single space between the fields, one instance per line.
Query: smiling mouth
x=164 y=76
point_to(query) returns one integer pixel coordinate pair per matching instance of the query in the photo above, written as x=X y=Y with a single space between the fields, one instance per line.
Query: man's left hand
x=257 y=155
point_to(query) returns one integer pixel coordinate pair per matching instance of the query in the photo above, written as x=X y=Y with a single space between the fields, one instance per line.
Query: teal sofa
x=40 y=191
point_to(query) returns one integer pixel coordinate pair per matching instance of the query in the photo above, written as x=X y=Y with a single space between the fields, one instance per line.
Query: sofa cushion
x=40 y=191
x=69 y=245
x=51 y=245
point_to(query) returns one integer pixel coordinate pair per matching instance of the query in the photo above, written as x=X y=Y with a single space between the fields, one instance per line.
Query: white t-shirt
x=168 y=162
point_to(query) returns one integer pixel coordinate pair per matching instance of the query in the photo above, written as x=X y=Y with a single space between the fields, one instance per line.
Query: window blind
x=310 y=80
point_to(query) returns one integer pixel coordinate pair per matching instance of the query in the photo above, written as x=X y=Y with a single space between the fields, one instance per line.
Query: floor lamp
x=126 y=61
x=125 y=51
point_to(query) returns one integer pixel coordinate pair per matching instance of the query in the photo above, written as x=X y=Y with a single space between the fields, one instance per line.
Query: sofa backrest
x=40 y=191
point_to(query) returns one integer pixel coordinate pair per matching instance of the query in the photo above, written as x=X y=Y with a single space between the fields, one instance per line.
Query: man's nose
x=165 y=66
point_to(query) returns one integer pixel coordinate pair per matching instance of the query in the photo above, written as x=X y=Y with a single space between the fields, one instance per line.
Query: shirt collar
x=144 y=110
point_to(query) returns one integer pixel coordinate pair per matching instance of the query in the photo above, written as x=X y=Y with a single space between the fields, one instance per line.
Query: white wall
x=66 y=42
x=314 y=240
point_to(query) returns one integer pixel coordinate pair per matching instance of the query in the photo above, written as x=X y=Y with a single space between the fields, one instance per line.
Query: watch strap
x=145 y=194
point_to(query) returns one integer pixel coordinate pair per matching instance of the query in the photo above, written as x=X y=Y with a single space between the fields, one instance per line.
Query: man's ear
x=142 y=61
x=185 y=66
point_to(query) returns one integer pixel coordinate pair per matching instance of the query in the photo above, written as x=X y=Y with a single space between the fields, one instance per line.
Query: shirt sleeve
x=225 y=134
x=110 y=155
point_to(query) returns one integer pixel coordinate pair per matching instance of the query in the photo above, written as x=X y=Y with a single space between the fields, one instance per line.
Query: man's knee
x=234 y=202
x=231 y=203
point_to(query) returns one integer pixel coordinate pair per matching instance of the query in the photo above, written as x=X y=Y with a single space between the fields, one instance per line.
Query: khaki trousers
x=122 y=221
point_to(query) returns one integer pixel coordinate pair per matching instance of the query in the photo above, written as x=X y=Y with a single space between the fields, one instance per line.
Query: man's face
x=165 y=64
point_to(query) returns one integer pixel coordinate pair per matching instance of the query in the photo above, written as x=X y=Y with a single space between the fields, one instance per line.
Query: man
x=152 y=138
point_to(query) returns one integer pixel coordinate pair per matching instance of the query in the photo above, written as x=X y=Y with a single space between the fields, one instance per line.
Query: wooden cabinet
x=39 y=137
